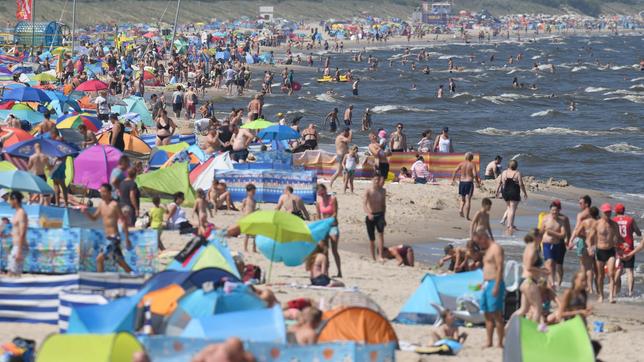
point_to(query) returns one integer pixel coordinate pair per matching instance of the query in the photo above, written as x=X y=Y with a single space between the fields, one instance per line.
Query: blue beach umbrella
x=49 y=147
x=24 y=181
x=32 y=117
x=26 y=94
x=278 y=133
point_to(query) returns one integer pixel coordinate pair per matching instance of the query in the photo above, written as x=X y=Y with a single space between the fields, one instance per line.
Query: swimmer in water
x=413 y=86
x=515 y=82
x=426 y=70
x=573 y=106
x=440 y=92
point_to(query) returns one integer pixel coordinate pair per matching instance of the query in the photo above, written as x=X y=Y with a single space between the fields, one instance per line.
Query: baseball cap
x=620 y=208
x=606 y=208
x=556 y=203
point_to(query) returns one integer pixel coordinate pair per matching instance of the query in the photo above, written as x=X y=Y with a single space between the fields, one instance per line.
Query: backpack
x=177 y=99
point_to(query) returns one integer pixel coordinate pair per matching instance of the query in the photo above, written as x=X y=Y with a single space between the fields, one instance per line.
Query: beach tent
x=260 y=325
x=201 y=254
x=161 y=154
x=94 y=166
x=167 y=181
x=201 y=177
x=565 y=341
x=357 y=324
x=443 y=291
x=89 y=348
x=116 y=316
x=133 y=144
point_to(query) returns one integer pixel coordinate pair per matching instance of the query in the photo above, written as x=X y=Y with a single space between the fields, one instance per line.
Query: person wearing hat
x=554 y=232
x=280 y=119
x=627 y=227
x=493 y=169
x=606 y=235
x=443 y=143
x=116 y=135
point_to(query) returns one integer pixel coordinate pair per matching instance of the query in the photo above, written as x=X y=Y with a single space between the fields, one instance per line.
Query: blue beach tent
x=442 y=291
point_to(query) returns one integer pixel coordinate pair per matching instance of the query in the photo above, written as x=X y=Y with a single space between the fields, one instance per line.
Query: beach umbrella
x=278 y=133
x=7 y=166
x=92 y=85
x=60 y=50
x=95 y=165
x=278 y=225
x=44 y=77
x=32 y=117
x=24 y=181
x=132 y=117
x=21 y=107
x=294 y=253
x=49 y=147
x=26 y=94
x=259 y=123
x=74 y=120
x=18 y=135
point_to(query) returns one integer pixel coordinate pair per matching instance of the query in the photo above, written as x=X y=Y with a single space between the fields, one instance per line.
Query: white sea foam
x=576 y=69
x=546 y=113
x=624 y=148
x=637 y=79
x=398 y=108
x=325 y=98
x=491 y=131
x=594 y=89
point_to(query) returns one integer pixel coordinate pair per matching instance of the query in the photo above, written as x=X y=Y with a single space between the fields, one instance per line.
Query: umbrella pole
x=270 y=267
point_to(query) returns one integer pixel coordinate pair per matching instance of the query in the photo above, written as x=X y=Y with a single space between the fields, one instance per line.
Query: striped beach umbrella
x=74 y=120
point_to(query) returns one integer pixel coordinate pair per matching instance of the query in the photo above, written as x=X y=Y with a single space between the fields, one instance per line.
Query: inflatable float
x=330 y=79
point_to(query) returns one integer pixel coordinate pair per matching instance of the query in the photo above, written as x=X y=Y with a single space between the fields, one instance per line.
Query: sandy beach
x=418 y=214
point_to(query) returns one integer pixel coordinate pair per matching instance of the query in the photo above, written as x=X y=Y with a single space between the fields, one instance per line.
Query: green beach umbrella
x=278 y=225
x=259 y=123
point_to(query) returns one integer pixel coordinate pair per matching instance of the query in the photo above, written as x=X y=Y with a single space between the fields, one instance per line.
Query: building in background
x=435 y=13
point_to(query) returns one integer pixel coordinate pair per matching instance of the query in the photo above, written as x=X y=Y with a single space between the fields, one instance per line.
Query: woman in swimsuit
x=327 y=206
x=574 y=301
x=531 y=303
x=510 y=187
x=165 y=128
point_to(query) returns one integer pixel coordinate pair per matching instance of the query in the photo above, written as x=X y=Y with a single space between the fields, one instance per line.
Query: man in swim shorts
x=554 y=232
x=468 y=173
x=493 y=296
x=341 y=148
x=375 y=205
x=579 y=241
x=606 y=233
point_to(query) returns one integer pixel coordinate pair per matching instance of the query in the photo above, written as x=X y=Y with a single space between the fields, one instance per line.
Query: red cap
x=556 y=203
x=606 y=208
x=620 y=208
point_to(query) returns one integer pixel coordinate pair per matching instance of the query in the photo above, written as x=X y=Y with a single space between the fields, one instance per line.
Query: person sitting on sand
x=317 y=264
x=404 y=176
x=448 y=329
x=219 y=196
x=304 y=331
x=404 y=254
x=419 y=171
x=574 y=301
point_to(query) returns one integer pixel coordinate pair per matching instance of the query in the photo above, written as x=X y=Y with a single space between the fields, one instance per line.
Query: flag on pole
x=23 y=9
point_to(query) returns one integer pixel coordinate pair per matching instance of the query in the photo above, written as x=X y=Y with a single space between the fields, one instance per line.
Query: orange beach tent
x=356 y=324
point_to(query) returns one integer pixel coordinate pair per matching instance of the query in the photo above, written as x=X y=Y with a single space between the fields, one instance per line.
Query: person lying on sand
x=404 y=254
x=448 y=329
x=304 y=331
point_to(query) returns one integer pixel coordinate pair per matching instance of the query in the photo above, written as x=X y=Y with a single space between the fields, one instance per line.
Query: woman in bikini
x=574 y=301
x=165 y=128
x=531 y=302
x=327 y=206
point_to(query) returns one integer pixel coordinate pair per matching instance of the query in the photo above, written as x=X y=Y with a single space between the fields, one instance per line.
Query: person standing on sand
x=398 y=140
x=481 y=220
x=468 y=173
x=627 y=227
x=443 y=142
x=567 y=233
x=375 y=206
x=510 y=187
x=327 y=207
x=19 y=225
x=493 y=296
x=553 y=244
x=37 y=164
x=110 y=212
x=378 y=152
x=586 y=220
x=291 y=203
x=606 y=235
x=341 y=149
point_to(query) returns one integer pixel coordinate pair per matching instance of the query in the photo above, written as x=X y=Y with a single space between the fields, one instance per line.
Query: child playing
x=156 y=219
x=304 y=330
x=248 y=206
x=350 y=163
x=201 y=211
x=448 y=329
x=481 y=221
x=456 y=258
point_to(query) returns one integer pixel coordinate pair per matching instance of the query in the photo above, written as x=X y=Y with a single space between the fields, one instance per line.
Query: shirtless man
x=255 y=106
x=375 y=206
x=481 y=220
x=378 y=153
x=110 y=212
x=606 y=235
x=554 y=232
x=398 y=140
x=19 y=225
x=348 y=115
x=242 y=137
x=37 y=164
x=468 y=174
x=47 y=124
x=213 y=143
x=332 y=119
x=341 y=149
x=568 y=232
x=292 y=203
x=493 y=296
x=586 y=220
